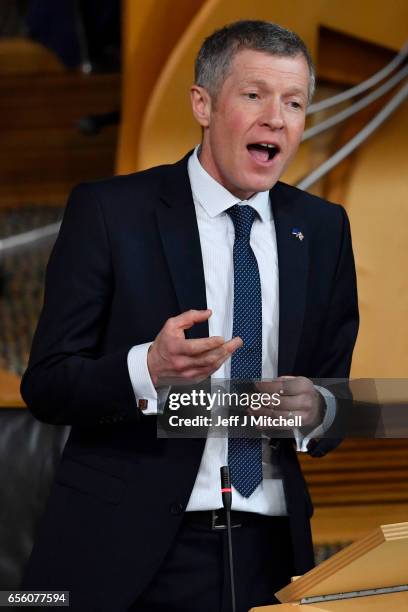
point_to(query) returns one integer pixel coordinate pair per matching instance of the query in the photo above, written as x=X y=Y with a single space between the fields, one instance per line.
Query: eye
x=252 y=95
x=295 y=104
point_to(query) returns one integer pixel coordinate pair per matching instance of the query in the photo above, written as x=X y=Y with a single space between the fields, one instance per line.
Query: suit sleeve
x=69 y=379
x=339 y=334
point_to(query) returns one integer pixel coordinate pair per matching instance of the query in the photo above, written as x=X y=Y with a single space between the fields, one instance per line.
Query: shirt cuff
x=330 y=413
x=142 y=384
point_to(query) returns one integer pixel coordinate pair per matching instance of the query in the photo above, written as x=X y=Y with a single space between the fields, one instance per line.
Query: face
x=253 y=129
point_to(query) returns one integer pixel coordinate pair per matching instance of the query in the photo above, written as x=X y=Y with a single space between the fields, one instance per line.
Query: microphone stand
x=226 y=493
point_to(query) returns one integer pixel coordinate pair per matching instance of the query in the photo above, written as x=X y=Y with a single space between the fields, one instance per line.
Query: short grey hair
x=218 y=50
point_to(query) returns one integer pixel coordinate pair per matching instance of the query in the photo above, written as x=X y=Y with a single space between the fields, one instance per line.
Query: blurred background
x=96 y=87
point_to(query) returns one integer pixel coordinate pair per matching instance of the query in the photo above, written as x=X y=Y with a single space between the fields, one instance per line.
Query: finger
x=304 y=403
x=180 y=363
x=199 y=346
x=226 y=351
x=232 y=345
x=218 y=354
x=274 y=386
x=209 y=358
x=294 y=385
x=214 y=359
x=185 y=320
x=221 y=355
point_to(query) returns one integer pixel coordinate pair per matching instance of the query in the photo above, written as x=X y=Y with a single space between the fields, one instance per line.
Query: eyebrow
x=262 y=83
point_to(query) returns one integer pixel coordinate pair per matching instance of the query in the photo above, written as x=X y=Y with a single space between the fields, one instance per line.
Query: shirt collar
x=214 y=198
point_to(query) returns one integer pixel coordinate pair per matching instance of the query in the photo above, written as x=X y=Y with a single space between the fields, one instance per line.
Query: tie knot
x=242 y=217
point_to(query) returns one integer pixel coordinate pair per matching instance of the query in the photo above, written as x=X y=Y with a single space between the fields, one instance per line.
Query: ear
x=201 y=105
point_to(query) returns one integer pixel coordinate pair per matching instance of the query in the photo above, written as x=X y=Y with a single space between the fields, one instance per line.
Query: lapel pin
x=297 y=233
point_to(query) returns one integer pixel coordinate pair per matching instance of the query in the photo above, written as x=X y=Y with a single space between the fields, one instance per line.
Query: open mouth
x=263 y=152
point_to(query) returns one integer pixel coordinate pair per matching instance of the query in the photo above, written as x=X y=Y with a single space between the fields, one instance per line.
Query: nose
x=272 y=116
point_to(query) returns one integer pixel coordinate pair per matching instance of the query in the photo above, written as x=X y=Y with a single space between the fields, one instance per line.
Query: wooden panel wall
x=362 y=484
x=42 y=153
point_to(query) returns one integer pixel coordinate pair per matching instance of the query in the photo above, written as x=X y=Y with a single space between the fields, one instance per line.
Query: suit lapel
x=178 y=230
x=293 y=260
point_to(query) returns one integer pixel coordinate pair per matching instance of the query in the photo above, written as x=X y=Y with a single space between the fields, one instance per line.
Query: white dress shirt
x=216 y=230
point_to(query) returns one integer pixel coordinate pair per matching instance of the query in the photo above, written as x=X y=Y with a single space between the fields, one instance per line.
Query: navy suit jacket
x=126 y=259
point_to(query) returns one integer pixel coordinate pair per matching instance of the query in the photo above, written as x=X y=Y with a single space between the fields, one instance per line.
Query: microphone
x=226 y=493
x=226 y=490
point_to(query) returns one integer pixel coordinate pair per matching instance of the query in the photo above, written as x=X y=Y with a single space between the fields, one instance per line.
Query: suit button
x=176 y=508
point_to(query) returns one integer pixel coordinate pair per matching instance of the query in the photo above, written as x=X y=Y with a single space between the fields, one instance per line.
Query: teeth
x=265 y=144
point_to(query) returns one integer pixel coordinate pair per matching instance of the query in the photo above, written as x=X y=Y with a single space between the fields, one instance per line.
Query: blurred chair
x=29 y=454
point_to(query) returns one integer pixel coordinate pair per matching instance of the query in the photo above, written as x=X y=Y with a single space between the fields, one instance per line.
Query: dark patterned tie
x=245 y=454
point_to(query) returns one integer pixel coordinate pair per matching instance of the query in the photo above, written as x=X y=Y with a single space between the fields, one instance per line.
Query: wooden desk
x=397 y=602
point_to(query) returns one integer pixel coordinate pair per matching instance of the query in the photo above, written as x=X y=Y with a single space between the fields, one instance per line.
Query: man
x=210 y=266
